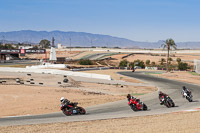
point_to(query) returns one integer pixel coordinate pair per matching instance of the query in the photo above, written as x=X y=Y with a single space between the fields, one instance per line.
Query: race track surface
x=121 y=109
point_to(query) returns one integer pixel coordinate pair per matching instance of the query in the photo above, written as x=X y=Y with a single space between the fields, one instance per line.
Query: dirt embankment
x=167 y=123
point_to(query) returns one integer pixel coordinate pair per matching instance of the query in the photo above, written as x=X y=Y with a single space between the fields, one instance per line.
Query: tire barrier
x=65 y=80
x=32 y=83
x=17 y=80
x=29 y=74
x=40 y=83
x=59 y=82
x=31 y=79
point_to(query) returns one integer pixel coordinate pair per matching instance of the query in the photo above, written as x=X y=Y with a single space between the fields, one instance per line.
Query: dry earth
x=187 y=57
x=112 y=73
x=183 y=76
x=38 y=99
x=167 y=123
x=174 y=122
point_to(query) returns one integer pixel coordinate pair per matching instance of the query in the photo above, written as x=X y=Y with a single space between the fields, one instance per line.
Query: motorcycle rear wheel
x=189 y=99
x=145 y=107
x=67 y=112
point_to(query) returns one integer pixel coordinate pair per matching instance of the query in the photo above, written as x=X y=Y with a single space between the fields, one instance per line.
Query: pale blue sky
x=138 y=20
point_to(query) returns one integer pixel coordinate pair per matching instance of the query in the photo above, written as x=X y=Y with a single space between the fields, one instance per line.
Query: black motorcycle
x=168 y=102
x=188 y=96
x=73 y=110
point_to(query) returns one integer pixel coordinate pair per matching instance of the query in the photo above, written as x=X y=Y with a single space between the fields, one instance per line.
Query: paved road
x=120 y=108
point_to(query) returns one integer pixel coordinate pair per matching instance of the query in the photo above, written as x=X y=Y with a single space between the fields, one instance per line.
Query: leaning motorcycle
x=188 y=96
x=73 y=110
x=168 y=102
x=136 y=106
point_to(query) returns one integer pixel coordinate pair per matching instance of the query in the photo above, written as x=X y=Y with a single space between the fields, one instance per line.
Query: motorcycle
x=188 y=96
x=72 y=110
x=137 y=105
x=168 y=102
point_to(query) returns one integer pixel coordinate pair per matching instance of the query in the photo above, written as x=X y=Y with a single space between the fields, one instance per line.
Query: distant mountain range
x=83 y=39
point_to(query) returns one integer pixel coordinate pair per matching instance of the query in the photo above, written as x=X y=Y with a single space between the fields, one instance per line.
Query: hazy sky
x=138 y=20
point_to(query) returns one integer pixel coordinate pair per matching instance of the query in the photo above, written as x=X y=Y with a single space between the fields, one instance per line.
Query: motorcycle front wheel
x=82 y=111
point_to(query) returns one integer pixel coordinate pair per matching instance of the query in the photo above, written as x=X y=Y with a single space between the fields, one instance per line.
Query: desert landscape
x=31 y=99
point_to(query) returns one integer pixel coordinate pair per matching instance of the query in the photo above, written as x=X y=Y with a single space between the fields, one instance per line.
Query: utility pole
x=3 y=39
x=91 y=43
x=53 y=40
x=70 y=43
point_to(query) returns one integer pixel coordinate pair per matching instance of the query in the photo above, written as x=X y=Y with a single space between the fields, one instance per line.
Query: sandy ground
x=174 y=122
x=112 y=73
x=183 y=76
x=167 y=123
x=39 y=99
x=188 y=58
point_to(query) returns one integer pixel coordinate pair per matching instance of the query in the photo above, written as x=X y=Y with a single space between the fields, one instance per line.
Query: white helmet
x=62 y=99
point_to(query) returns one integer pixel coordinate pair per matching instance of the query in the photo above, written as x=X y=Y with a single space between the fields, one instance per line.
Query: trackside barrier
x=86 y=69
x=51 y=71
x=48 y=65
x=151 y=68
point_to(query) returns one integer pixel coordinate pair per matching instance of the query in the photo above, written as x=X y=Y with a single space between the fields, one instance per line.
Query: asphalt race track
x=120 y=109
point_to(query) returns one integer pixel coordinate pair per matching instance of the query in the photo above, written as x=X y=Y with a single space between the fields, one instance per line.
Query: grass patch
x=19 y=66
x=194 y=73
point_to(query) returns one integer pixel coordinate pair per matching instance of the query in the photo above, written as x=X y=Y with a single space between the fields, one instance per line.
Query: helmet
x=160 y=92
x=128 y=95
x=184 y=87
x=62 y=99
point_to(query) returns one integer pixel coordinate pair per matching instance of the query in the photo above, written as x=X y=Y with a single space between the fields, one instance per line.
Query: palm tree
x=169 y=43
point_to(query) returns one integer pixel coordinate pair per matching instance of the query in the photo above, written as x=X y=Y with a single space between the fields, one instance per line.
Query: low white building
x=197 y=66
x=60 y=46
x=25 y=46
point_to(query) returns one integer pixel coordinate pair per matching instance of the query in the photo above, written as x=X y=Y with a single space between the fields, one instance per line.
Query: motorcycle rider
x=66 y=103
x=161 y=96
x=185 y=90
x=133 y=100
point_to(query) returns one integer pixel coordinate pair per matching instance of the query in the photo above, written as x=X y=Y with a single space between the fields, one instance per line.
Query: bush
x=182 y=66
x=178 y=60
x=170 y=60
x=139 y=63
x=153 y=63
x=148 y=62
x=85 y=62
x=162 y=61
x=131 y=64
x=123 y=63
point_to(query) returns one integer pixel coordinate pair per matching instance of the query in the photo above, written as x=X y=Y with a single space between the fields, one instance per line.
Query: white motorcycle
x=188 y=96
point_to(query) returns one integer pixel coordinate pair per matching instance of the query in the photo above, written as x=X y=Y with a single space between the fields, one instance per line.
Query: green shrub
x=139 y=63
x=131 y=64
x=148 y=62
x=85 y=62
x=182 y=66
x=178 y=60
x=153 y=63
x=123 y=63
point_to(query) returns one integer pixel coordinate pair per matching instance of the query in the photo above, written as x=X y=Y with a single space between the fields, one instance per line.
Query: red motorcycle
x=137 y=105
x=72 y=110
